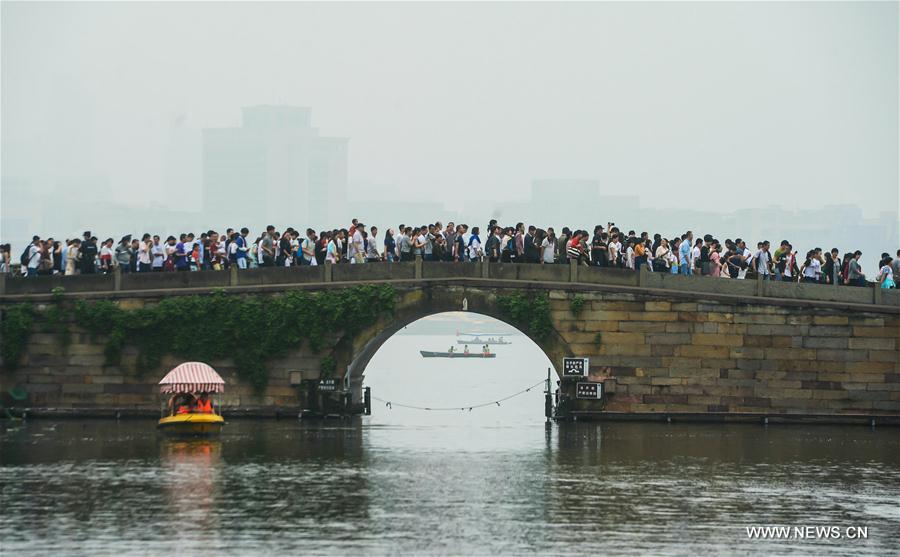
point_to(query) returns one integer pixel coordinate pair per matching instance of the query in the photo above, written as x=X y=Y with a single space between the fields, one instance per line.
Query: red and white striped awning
x=192 y=377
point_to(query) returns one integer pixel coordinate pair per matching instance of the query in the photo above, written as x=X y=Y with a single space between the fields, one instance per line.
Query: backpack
x=23 y=259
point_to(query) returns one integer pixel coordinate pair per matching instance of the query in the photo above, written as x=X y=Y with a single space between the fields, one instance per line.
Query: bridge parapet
x=115 y=285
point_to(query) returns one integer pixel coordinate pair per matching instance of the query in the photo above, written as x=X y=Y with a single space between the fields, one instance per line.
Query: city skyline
x=704 y=119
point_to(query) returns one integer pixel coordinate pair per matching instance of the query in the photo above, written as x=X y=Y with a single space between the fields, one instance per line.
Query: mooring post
x=328 y=266
x=367 y=400
x=548 y=399
x=233 y=277
x=117 y=278
x=573 y=270
x=418 y=266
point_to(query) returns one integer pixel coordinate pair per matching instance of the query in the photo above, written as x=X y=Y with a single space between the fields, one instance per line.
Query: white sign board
x=589 y=390
x=575 y=367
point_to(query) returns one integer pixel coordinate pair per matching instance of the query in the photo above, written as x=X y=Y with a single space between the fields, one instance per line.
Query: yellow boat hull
x=192 y=424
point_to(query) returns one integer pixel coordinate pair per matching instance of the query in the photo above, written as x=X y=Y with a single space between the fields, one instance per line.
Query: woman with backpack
x=811 y=268
x=886 y=274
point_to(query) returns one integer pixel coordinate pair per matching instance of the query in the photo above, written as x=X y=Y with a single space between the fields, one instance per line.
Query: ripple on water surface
x=105 y=488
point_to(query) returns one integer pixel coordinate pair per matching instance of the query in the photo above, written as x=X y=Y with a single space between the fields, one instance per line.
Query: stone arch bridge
x=663 y=345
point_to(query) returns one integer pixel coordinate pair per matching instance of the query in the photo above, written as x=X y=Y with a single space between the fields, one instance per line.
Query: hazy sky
x=786 y=103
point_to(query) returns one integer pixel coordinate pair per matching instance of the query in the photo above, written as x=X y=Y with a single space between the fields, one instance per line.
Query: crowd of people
x=607 y=246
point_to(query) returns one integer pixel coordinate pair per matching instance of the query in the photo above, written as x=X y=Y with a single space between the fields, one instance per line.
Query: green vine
x=528 y=312
x=15 y=328
x=328 y=366
x=576 y=305
x=251 y=329
x=54 y=318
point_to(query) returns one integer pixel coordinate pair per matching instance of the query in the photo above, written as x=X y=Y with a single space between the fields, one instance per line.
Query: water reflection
x=190 y=471
x=357 y=487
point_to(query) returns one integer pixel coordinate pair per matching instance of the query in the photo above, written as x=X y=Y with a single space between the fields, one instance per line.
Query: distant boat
x=429 y=354
x=492 y=338
x=478 y=340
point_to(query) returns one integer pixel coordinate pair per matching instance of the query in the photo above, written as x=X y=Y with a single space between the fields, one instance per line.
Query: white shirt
x=34 y=256
x=372 y=249
x=473 y=249
x=547 y=250
x=813 y=269
x=762 y=262
x=144 y=253
x=789 y=263
x=309 y=246
x=357 y=245
x=158 y=255
x=397 y=239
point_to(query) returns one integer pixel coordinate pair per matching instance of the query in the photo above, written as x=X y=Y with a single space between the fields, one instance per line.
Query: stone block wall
x=656 y=351
x=73 y=378
x=711 y=357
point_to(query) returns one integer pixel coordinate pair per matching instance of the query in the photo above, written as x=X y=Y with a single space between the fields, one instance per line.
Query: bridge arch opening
x=442 y=387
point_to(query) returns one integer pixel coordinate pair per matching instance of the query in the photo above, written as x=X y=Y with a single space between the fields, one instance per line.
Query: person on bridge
x=886 y=274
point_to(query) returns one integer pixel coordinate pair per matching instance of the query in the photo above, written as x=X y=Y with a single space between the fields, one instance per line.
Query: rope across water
x=462 y=408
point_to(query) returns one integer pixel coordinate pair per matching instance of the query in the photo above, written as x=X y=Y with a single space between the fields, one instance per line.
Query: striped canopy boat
x=192 y=377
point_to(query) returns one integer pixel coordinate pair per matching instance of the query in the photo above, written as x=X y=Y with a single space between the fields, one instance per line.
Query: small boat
x=491 y=341
x=492 y=338
x=192 y=424
x=429 y=354
x=190 y=409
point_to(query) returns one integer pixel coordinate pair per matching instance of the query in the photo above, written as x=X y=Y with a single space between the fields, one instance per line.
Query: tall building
x=274 y=169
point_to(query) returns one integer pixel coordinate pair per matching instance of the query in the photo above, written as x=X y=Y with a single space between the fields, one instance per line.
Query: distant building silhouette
x=275 y=168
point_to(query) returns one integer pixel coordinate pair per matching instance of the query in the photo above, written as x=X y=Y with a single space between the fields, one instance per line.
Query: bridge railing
x=419 y=270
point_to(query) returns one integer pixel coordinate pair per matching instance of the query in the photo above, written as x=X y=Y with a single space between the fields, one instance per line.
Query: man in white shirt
x=159 y=254
x=34 y=256
x=356 y=251
x=189 y=249
x=398 y=237
x=746 y=255
x=308 y=248
x=372 y=253
x=762 y=260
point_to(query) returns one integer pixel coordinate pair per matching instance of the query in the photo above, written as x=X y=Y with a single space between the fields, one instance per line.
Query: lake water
x=495 y=480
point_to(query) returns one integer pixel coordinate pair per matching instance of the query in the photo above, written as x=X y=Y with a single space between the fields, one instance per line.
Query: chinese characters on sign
x=575 y=367
x=328 y=384
x=589 y=390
